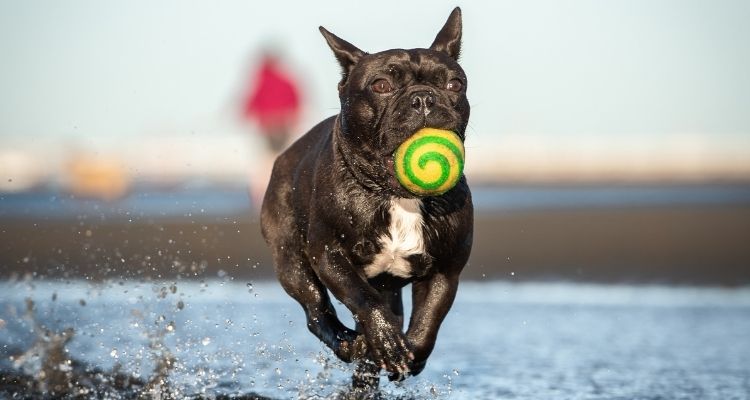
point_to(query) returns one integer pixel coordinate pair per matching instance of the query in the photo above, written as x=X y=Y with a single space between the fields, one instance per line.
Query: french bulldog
x=337 y=220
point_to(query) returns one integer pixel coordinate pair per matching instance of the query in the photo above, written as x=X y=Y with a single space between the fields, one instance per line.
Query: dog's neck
x=344 y=155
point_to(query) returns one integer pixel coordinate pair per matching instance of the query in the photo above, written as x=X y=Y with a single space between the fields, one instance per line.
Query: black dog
x=336 y=219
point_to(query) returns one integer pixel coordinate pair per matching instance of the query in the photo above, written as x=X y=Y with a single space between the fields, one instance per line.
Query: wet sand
x=685 y=245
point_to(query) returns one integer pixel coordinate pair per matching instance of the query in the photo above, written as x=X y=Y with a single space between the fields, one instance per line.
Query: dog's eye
x=454 y=85
x=381 y=86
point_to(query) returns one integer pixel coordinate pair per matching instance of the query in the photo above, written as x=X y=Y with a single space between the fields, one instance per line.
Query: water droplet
x=206 y=341
x=249 y=287
x=113 y=353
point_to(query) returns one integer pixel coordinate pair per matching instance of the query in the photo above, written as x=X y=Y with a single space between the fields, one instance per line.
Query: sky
x=575 y=88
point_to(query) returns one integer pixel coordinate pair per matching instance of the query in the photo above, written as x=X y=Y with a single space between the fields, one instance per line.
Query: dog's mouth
x=389 y=179
x=390 y=172
x=398 y=184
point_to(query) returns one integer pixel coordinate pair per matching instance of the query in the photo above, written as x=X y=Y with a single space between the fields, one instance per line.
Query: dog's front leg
x=431 y=299
x=386 y=344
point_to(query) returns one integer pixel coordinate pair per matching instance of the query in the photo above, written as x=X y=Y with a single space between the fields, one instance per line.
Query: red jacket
x=274 y=99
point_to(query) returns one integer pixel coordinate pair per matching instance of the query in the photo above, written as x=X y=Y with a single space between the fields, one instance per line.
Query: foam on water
x=501 y=340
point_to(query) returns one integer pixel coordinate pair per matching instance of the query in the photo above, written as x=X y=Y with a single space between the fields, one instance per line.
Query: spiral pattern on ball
x=430 y=162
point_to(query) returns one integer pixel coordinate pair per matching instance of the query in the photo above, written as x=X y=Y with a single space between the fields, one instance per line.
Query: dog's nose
x=422 y=101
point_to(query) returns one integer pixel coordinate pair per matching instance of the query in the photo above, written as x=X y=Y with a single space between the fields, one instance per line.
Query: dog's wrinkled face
x=396 y=92
x=387 y=96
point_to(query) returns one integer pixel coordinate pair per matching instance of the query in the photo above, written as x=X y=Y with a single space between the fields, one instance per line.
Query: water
x=536 y=197
x=144 y=202
x=500 y=341
x=206 y=201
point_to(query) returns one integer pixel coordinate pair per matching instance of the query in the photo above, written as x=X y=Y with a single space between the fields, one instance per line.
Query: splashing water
x=154 y=340
x=216 y=339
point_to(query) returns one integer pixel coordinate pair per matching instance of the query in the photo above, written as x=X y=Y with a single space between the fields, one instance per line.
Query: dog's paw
x=387 y=345
x=350 y=346
x=414 y=368
x=359 y=348
x=351 y=349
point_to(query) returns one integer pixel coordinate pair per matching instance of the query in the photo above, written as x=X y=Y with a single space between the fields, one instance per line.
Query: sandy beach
x=697 y=245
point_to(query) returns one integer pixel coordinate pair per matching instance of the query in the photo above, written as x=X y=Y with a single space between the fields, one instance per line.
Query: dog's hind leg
x=366 y=377
x=392 y=297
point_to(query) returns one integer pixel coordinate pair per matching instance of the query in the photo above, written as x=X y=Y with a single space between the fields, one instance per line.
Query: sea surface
x=209 y=201
x=502 y=340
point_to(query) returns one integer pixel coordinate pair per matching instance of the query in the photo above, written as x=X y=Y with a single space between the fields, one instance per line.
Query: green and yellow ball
x=430 y=162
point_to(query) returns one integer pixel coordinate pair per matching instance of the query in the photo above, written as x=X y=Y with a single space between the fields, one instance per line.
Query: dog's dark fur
x=328 y=208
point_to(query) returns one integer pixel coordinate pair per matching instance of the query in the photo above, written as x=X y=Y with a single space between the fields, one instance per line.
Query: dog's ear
x=346 y=53
x=448 y=40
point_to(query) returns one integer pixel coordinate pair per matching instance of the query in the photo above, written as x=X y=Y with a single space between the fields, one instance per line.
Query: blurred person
x=273 y=104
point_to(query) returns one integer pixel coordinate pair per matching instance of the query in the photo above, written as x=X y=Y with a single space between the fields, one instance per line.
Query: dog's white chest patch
x=403 y=239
